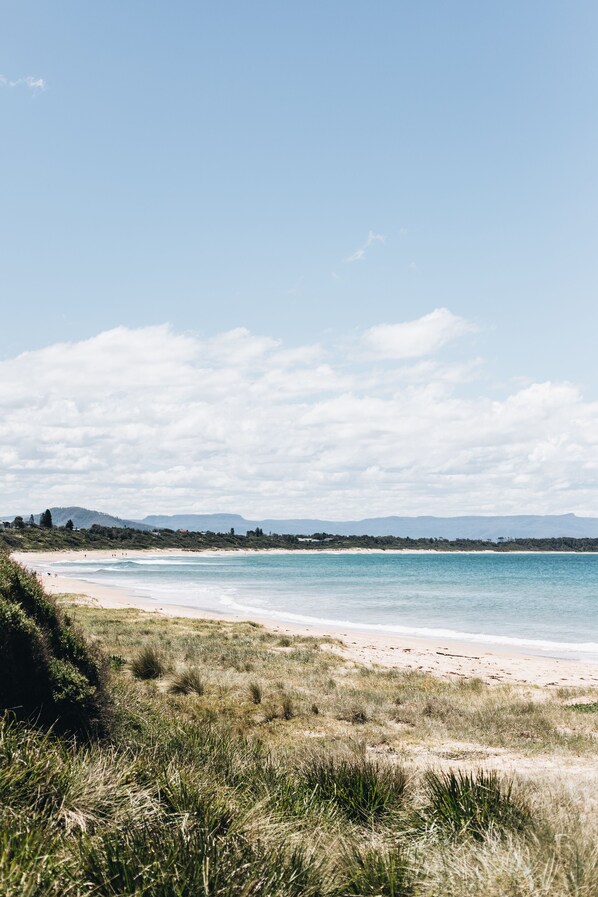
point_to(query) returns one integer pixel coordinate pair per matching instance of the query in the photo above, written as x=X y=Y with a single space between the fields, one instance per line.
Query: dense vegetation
x=47 y=671
x=238 y=762
x=38 y=538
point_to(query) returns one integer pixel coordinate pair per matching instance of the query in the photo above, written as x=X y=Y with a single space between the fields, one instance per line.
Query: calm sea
x=540 y=603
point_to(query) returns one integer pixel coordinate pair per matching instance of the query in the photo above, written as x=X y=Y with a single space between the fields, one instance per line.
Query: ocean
x=533 y=603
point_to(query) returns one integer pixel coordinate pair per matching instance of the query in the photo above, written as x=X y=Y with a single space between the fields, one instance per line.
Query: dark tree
x=31 y=520
x=46 y=519
x=69 y=524
x=18 y=522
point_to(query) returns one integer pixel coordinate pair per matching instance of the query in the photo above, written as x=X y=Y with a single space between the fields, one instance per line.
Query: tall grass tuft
x=362 y=790
x=474 y=804
x=181 y=793
x=288 y=708
x=378 y=873
x=29 y=862
x=186 y=682
x=34 y=770
x=148 y=664
x=255 y=692
x=178 y=858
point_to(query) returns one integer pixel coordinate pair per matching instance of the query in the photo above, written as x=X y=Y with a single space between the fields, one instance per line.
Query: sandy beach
x=441 y=657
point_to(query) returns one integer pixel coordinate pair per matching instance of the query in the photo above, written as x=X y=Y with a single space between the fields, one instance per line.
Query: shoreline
x=444 y=657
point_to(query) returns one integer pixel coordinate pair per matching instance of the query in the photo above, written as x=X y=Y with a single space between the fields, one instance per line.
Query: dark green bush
x=48 y=672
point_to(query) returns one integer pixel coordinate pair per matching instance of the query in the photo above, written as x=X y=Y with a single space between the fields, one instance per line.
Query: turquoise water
x=541 y=603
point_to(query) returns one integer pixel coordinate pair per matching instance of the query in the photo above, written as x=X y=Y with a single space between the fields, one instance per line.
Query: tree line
x=46 y=536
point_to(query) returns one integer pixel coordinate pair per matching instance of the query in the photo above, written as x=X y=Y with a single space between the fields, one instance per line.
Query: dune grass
x=186 y=682
x=148 y=663
x=472 y=804
x=199 y=788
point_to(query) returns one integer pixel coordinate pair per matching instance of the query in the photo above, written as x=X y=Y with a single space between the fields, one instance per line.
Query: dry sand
x=440 y=657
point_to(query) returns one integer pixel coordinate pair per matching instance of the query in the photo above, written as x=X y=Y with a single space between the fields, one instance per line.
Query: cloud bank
x=150 y=420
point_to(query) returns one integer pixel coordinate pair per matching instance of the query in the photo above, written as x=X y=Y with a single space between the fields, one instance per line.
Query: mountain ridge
x=425 y=526
x=491 y=527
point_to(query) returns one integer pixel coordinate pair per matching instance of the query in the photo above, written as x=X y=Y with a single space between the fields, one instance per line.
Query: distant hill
x=83 y=518
x=470 y=527
x=216 y=523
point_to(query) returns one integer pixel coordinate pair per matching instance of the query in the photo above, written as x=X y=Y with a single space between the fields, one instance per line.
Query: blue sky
x=307 y=172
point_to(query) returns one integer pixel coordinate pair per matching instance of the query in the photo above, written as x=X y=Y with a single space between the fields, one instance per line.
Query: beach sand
x=445 y=658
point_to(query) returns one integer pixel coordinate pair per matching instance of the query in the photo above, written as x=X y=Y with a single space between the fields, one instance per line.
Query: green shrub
x=48 y=672
x=148 y=664
x=362 y=790
x=462 y=803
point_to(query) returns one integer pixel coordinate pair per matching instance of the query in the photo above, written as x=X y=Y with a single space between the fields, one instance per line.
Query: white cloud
x=143 y=420
x=361 y=252
x=416 y=338
x=35 y=84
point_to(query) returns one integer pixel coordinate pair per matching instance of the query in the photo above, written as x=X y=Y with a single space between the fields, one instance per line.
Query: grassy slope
x=287 y=769
x=47 y=671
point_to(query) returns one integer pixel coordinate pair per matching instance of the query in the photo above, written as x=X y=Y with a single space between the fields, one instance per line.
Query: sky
x=328 y=259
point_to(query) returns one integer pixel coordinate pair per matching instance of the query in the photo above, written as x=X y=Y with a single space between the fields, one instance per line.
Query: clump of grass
x=284 y=641
x=29 y=861
x=255 y=692
x=288 y=709
x=270 y=712
x=358 y=715
x=362 y=790
x=167 y=860
x=474 y=684
x=464 y=803
x=181 y=793
x=33 y=768
x=117 y=662
x=186 y=682
x=148 y=664
x=378 y=873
